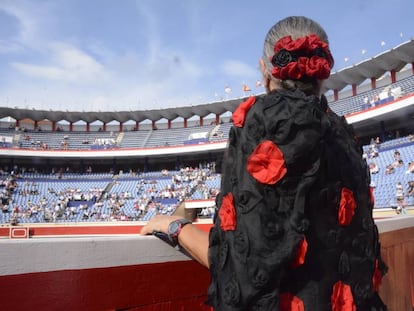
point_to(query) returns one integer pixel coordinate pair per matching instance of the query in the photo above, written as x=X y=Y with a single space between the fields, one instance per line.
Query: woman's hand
x=191 y=238
x=158 y=223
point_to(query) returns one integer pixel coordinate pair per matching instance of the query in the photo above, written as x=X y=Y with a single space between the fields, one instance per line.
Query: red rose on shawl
x=376 y=277
x=266 y=163
x=289 y=302
x=341 y=298
x=346 y=207
x=300 y=253
x=227 y=213
x=239 y=115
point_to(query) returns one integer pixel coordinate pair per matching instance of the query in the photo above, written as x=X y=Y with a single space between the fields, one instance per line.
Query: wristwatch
x=174 y=229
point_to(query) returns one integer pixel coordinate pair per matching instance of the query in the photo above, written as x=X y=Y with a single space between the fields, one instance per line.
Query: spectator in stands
x=375 y=143
x=365 y=155
x=373 y=150
x=399 y=193
x=399 y=196
x=264 y=251
x=389 y=169
x=373 y=168
x=410 y=189
x=410 y=168
x=398 y=162
x=366 y=102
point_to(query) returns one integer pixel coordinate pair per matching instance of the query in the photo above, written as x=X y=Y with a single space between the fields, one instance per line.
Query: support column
x=383 y=132
x=146 y=165
x=169 y=124
x=373 y=83
x=114 y=166
x=178 y=163
x=201 y=121
x=336 y=94
x=185 y=122
x=354 y=91
x=393 y=76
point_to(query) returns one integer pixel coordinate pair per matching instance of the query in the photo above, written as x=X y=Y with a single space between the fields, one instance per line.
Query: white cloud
x=32 y=19
x=235 y=68
x=9 y=47
x=68 y=64
x=61 y=74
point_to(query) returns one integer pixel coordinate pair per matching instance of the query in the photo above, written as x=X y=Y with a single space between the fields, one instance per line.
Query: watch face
x=173 y=228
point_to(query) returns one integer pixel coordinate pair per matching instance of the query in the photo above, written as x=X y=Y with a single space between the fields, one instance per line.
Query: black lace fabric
x=252 y=266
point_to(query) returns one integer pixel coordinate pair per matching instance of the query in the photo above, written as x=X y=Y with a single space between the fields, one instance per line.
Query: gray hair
x=296 y=27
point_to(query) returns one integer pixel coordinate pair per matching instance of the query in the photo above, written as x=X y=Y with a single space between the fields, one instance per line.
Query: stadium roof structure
x=393 y=59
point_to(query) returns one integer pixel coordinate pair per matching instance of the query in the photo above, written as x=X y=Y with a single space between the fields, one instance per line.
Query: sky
x=122 y=55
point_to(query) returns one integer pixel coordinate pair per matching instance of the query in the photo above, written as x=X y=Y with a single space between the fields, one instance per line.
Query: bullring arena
x=78 y=186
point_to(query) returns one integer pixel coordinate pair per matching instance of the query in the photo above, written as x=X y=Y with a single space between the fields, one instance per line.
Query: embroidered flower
x=260 y=277
x=266 y=164
x=227 y=213
x=239 y=115
x=346 y=207
x=343 y=265
x=289 y=302
x=241 y=245
x=248 y=200
x=376 y=277
x=231 y=293
x=223 y=252
x=362 y=291
x=341 y=298
x=300 y=253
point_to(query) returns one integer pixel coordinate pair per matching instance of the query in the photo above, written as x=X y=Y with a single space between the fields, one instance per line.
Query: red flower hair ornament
x=346 y=207
x=266 y=163
x=227 y=213
x=341 y=298
x=239 y=115
x=307 y=57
